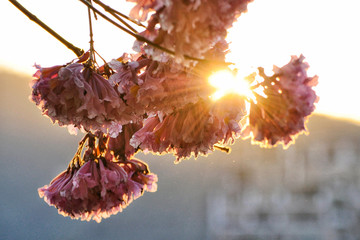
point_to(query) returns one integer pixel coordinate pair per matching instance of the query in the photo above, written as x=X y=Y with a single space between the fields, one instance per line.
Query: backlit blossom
x=125 y=79
x=76 y=95
x=290 y=98
x=121 y=144
x=149 y=86
x=195 y=129
x=176 y=94
x=190 y=27
x=97 y=186
x=169 y=86
x=141 y=10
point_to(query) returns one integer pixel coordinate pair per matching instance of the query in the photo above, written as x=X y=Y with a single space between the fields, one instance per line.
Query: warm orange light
x=227 y=82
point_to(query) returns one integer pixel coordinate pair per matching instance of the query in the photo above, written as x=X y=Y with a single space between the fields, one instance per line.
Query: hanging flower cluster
x=159 y=100
x=194 y=129
x=289 y=98
x=99 y=183
x=75 y=94
x=189 y=27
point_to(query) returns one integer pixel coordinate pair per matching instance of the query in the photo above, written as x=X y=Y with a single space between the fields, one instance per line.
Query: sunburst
x=229 y=82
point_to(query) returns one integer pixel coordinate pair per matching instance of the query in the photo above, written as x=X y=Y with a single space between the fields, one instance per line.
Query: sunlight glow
x=268 y=34
x=226 y=82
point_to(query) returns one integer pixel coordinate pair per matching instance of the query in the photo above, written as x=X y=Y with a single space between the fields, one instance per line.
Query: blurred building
x=309 y=191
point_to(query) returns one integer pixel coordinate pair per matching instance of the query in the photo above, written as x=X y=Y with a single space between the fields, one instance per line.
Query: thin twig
x=91 y=38
x=223 y=149
x=119 y=13
x=116 y=15
x=32 y=17
x=138 y=37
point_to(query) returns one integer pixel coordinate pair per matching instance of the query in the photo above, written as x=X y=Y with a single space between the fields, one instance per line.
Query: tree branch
x=137 y=36
x=116 y=14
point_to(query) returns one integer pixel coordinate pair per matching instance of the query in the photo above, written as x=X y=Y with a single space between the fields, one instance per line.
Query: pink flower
x=191 y=27
x=121 y=144
x=281 y=115
x=195 y=129
x=126 y=81
x=169 y=86
x=99 y=187
x=140 y=179
x=51 y=193
x=143 y=7
x=77 y=95
x=149 y=86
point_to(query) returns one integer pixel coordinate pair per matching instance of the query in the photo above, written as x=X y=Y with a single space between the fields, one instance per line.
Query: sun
x=229 y=82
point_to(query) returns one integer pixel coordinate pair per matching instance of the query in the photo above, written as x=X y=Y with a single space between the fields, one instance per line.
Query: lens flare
x=228 y=82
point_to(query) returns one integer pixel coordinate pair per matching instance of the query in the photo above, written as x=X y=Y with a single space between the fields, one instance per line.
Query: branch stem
x=33 y=18
x=91 y=37
x=137 y=36
x=116 y=14
x=221 y=148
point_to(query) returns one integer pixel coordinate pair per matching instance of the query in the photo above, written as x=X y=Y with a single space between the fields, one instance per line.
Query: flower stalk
x=137 y=36
x=92 y=58
x=118 y=15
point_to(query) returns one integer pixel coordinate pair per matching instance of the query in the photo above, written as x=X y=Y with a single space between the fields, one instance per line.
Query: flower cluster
x=75 y=94
x=98 y=184
x=159 y=100
x=189 y=28
x=289 y=98
x=192 y=130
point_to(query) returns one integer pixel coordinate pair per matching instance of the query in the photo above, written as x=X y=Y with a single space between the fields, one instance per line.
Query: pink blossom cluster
x=159 y=87
x=289 y=98
x=121 y=144
x=149 y=86
x=194 y=129
x=189 y=28
x=161 y=108
x=77 y=95
x=154 y=102
x=98 y=186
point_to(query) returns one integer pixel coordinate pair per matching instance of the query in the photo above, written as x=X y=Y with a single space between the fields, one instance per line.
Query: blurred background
x=309 y=191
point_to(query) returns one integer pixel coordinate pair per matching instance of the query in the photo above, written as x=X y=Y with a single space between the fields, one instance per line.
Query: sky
x=326 y=32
